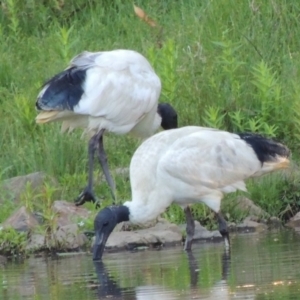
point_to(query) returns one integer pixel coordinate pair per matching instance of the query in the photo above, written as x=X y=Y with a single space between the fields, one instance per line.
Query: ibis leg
x=190 y=229
x=194 y=269
x=103 y=162
x=88 y=193
x=226 y=263
x=223 y=229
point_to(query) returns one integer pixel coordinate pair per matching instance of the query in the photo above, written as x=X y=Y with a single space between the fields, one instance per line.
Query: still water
x=260 y=266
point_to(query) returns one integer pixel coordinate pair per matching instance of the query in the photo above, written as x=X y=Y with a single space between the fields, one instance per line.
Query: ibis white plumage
x=185 y=166
x=115 y=91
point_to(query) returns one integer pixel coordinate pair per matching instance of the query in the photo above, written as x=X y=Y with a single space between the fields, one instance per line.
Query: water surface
x=260 y=266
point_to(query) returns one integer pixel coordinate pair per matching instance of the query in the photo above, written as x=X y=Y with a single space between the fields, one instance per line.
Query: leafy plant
x=12 y=242
x=213 y=117
x=27 y=197
x=164 y=61
x=64 y=44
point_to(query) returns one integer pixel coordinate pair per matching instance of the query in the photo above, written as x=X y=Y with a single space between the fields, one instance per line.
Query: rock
x=163 y=224
x=128 y=226
x=14 y=187
x=294 y=221
x=36 y=242
x=21 y=220
x=252 y=218
x=246 y=205
x=274 y=222
x=231 y=226
x=68 y=237
x=163 y=233
x=123 y=226
x=250 y=226
x=68 y=213
x=201 y=233
x=39 y=217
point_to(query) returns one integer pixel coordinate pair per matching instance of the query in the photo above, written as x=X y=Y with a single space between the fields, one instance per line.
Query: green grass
x=227 y=64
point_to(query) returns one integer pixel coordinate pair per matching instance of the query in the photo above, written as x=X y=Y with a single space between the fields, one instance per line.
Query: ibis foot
x=86 y=195
x=223 y=230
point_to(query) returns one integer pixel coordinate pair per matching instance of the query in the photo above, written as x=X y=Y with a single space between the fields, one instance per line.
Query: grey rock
x=123 y=226
x=68 y=237
x=201 y=233
x=13 y=188
x=39 y=217
x=21 y=220
x=163 y=233
x=36 y=242
x=250 y=226
x=246 y=205
x=128 y=226
x=68 y=213
x=274 y=222
x=252 y=218
x=231 y=226
x=294 y=221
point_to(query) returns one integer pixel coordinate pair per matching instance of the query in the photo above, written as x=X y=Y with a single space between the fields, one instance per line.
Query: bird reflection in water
x=109 y=288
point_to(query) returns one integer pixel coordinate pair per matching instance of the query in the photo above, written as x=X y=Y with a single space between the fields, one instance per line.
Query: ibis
x=185 y=166
x=111 y=91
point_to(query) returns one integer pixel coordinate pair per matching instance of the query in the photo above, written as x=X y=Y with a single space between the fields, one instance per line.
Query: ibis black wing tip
x=63 y=91
x=265 y=149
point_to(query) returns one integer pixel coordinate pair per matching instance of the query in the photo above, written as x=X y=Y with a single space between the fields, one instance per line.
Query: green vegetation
x=12 y=242
x=226 y=64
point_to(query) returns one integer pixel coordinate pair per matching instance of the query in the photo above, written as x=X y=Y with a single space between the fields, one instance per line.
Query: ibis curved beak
x=99 y=245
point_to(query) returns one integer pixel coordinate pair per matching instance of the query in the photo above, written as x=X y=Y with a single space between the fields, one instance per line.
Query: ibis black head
x=168 y=116
x=105 y=222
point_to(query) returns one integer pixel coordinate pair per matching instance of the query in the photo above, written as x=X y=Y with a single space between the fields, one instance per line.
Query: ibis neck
x=143 y=212
x=121 y=213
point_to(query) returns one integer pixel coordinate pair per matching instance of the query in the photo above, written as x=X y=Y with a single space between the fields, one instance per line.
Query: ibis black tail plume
x=63 y=91
x=265 y=149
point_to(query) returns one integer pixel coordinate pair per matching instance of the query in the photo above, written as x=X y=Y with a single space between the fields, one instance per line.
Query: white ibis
x=115 y=91
x=185 y=166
